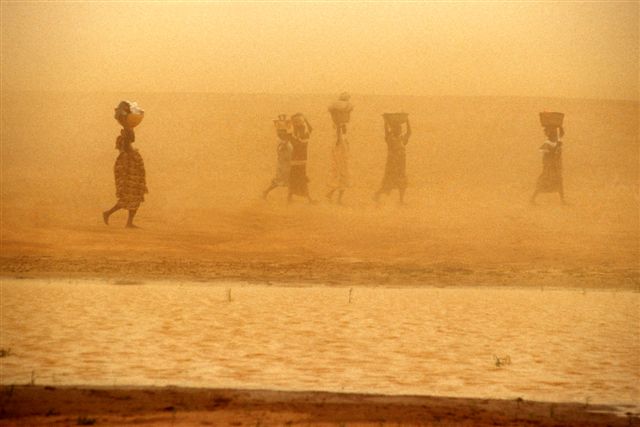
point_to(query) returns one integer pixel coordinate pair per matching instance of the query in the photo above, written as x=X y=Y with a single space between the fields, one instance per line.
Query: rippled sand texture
x=564 y=345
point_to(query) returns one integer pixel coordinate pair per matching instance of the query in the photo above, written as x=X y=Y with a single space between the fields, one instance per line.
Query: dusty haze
x=472 y=76
x=553 y=49
x=212 y=77
x=472 y=165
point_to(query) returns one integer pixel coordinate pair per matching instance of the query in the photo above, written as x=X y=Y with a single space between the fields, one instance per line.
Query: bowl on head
x=134 y=119
x=128 y=114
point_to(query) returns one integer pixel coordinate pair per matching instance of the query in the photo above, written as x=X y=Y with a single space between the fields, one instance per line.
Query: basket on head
x=551 y=119
x=282 y=124
x=396 y=118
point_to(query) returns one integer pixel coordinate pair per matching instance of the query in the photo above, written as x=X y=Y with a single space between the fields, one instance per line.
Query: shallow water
x=564 y=345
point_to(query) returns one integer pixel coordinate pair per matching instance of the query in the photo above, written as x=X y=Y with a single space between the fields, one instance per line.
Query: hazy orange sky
x=564 y=49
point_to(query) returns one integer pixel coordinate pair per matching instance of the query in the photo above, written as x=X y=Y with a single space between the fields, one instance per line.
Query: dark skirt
x=298 y=181
x=550 y=180
x=130 y=176
x=395 y=171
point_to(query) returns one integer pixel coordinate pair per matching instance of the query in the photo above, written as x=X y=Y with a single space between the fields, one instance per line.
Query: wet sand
x=45 y=405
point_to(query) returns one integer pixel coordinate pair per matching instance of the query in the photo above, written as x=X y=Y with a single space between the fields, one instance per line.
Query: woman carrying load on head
x=339 y=173
x=395 y=170
x=550 y=180
x=298 y=180
x=339 y=179
x=284 y=149
x=130 y=176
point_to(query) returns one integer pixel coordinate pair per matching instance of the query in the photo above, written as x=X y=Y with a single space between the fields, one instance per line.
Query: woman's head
x=299 y=124
x=121 y=112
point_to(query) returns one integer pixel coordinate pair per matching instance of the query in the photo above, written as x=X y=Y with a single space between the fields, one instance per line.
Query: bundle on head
x=282 y=124
x=128 y=114
x=340 y=110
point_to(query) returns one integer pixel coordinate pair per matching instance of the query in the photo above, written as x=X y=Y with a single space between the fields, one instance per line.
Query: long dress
x=550 y=180
x=298 y=180
x=283 y=169
x=130 y=176
x=395 y=170
x=339 y=178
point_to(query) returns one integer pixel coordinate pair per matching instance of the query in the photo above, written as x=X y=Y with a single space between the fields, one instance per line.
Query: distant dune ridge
x=471 y=163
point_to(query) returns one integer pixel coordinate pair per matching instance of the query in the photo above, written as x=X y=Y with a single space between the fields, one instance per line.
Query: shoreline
x=233 y=283
x=182 y=406
x=314 y=271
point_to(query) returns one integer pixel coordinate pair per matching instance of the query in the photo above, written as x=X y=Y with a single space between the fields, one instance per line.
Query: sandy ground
x=471 y=163
x=45 y=405
x=330 y=245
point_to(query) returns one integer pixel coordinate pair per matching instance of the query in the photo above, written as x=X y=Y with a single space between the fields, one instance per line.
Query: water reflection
x=564 y=345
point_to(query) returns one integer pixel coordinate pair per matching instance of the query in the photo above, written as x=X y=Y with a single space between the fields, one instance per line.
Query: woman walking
x=298 y=180
x=395 y=171
x=339 y=179
x=130 y=176
x=284 y=150
x=550 y=180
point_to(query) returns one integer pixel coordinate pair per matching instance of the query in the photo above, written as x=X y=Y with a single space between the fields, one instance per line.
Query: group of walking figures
x=293 y=138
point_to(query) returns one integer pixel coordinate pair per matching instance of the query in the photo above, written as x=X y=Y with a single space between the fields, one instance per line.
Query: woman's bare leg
x=561 y=191
x=266 y=192
x=533 y=198
x=330 y=193
x=401 y=200
x=132 y=213
x=107 y=214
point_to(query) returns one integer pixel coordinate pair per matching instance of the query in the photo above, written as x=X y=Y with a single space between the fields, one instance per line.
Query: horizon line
x=636 y=99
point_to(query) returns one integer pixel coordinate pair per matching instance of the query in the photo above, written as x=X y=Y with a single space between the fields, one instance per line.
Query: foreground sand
x=267 y=242
x=46 y=405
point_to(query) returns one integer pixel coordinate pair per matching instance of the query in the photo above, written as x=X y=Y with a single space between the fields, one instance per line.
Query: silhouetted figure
x=339 y=179
x=283 y=168
x=298 y=180
x=550 y=180
x=395 y=171
x=129 y=170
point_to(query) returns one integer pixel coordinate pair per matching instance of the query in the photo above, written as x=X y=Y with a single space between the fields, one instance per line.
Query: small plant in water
x=501 y=361
x=85 y=421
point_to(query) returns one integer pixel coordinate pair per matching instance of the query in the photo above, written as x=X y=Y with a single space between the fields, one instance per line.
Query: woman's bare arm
x=408 y=134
